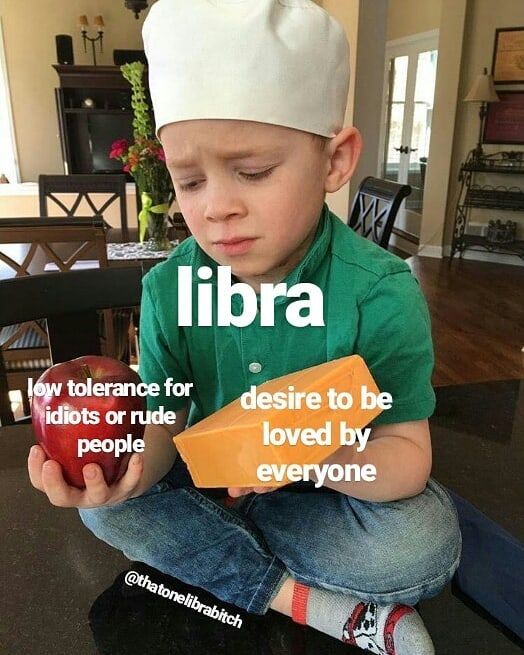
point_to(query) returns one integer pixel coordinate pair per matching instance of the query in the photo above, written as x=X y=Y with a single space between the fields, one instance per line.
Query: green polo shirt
x=373 y=306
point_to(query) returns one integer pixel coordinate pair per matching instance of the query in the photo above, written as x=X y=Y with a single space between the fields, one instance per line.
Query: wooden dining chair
x=179 y=226
x=375 y=208
x=111 y=188
x=31 y=243
x=27 y=246
x=68 y=302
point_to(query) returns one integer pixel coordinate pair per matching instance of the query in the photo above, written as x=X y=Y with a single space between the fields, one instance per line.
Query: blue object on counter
x=491 y=570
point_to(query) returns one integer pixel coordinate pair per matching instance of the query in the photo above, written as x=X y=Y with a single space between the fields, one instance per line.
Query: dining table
x=121 y=254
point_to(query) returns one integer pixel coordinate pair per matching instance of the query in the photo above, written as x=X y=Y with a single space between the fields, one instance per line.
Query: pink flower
x=161 y=154
x=118 y=149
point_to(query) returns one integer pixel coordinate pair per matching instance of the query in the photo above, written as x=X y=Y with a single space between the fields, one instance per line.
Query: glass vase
x=157 y=232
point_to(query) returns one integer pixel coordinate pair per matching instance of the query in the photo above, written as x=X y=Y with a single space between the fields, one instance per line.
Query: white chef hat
x=284 y=62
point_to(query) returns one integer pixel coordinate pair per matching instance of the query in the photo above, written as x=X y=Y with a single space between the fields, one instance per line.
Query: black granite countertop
x=62 y=589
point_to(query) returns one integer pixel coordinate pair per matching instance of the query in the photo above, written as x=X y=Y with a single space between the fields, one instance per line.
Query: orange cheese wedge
x=226 y=448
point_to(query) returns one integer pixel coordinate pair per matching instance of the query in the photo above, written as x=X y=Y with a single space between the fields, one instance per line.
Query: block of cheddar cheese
x=226 y=448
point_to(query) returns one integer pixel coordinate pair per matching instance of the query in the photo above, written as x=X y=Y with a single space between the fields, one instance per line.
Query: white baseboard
x=492 y=257
x=475 y=255
x=403 y=244
x=431 y=251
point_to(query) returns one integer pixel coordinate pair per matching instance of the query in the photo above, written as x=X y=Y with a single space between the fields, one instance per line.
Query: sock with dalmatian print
x=381 y=629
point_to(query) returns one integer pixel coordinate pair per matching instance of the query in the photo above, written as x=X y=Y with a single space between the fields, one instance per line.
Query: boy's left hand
x=235 y=492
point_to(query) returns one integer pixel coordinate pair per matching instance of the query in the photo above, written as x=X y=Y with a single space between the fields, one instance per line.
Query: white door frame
x=4 y=84
x=425 y=40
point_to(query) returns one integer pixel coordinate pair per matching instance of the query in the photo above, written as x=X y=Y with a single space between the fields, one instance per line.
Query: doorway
x=409 y=89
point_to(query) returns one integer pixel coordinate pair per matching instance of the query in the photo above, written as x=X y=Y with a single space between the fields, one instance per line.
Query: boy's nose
x=221 y=206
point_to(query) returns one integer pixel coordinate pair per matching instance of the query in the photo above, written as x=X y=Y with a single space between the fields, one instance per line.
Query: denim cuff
x=269 y=587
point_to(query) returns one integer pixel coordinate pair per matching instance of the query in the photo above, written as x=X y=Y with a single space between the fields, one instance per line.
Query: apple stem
x=87 y=371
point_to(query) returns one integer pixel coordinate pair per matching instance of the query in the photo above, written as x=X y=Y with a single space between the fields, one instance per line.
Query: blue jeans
x=399 y=551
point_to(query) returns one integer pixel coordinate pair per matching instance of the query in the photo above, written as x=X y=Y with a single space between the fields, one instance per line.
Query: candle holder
x=99 y=24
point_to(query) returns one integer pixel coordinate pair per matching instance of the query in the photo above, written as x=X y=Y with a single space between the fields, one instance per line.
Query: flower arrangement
x=145 y=159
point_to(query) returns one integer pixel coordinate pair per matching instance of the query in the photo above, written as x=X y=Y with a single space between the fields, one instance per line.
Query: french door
x=409 y=89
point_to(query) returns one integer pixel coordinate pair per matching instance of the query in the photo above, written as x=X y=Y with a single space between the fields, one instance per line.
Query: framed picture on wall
x=508 y=56
x=505 y=119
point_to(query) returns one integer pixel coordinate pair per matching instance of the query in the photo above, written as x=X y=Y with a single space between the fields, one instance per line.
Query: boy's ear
x=344 y=153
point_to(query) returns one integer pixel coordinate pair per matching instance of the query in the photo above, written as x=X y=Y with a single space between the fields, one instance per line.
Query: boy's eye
x=188 y=187
x=248 y=176
x=257 y=176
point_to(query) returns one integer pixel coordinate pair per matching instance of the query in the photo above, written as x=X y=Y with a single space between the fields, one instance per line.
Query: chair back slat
x=25 y=344
x=68 y=302
x=375 y=208
x=38 y=233
x=56 y=294
x=84 y=187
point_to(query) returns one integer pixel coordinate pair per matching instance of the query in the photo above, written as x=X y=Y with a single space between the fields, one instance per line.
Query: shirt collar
x=310 y=262
x=302 y=272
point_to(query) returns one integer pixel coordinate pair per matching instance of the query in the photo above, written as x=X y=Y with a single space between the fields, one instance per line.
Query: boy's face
x=251 y=193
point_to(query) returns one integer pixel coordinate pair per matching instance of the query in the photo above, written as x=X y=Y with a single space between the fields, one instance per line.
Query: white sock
x=382 y=629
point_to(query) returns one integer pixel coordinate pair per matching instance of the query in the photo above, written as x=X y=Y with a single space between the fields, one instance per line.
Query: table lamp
x=483 y=91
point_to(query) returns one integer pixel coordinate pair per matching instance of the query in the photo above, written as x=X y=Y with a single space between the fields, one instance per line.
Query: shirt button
x=255 y=367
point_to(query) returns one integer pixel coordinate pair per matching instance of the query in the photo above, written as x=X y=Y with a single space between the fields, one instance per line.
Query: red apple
x=60 y=442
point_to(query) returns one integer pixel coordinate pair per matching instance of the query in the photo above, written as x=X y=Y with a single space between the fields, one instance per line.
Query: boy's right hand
x=46 y=475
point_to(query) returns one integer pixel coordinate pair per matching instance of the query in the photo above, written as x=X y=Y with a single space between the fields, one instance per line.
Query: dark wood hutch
x=94 y=109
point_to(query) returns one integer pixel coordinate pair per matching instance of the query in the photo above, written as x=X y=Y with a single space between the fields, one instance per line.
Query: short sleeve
x=394 y=339
x=158 y=360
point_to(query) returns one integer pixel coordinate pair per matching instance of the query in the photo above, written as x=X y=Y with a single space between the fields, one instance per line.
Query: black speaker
x=128 y=56
x=64 y=49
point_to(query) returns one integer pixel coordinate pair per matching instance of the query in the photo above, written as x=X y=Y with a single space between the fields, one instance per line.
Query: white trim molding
x=431 y=251
x=5 y=95
x=491 y=257
x=413 y=38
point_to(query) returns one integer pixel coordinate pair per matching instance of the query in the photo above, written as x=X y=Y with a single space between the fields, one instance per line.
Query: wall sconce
x=136 y=6
x=98 y=22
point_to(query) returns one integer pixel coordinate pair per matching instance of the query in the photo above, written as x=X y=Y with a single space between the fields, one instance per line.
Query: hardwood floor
x=477 y=313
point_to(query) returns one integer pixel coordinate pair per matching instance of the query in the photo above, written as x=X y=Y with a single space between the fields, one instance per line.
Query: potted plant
x=145 y=160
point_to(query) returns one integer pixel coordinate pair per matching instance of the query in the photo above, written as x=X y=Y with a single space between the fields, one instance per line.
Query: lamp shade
x=99 y=21
x=483 y=89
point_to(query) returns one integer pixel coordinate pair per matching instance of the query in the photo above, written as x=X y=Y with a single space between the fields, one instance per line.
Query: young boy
x=249 y=99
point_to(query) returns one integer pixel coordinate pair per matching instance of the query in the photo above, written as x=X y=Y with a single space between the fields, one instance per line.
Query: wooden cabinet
x=94 y=109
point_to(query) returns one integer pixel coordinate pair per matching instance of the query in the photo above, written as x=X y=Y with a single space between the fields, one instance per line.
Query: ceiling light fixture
x=136 y=6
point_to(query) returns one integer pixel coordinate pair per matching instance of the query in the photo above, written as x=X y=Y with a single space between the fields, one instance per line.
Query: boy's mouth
x=235 y=245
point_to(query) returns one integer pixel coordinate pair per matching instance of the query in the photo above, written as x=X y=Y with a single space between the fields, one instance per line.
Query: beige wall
x=368 y=23
x=29 y=28
x=467 y=31
x=406 y=17
x=483 y=17
x=369 y=83
x=347 y=13
x=437 y=187
x=32 y=78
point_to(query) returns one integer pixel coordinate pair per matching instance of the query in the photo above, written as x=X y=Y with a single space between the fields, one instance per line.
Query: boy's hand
x=235 y=492
x=46 y=475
